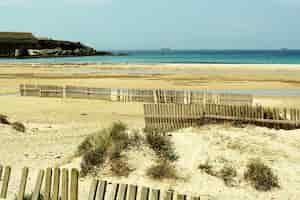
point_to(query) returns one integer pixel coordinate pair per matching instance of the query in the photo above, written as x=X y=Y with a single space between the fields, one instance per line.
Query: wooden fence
x=136 y=95
x=175 y=116
x=55 y=184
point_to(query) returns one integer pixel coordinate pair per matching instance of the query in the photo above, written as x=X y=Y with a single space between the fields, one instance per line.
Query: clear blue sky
x=153 y=24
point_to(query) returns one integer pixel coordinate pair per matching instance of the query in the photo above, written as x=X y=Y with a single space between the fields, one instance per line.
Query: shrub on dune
x=228 y=173
x=107 y=144
x=261 y=176
x=162 y=146
x=4 y=120
x=18 y=126
x=163 y=169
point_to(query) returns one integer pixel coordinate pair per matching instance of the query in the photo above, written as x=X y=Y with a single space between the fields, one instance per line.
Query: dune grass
x=261 y=176
x=107 y=144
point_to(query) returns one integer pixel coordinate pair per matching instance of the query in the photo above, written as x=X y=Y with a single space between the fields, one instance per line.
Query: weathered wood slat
x=5 y=183
x=74 y=184
x=56 y=184
x=48 y=183
x=144 y=193
x=155 y=194
x=93 y=189
x=65 y=185
x=181 y=197
x=23 y=183
x=114 y=191
x=132 y=192
x=38 y=185
x=122 y=192
x=101 y=190
x=168 y=195
x=1 y=170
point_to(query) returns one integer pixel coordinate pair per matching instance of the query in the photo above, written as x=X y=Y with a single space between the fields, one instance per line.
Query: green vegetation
x=165 y=152
x=162 y=146
x=163 y=169
x=228 y=173
x=107 y=144
x=261 y=176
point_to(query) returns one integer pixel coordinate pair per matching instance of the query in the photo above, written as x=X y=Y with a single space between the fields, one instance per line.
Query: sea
x=282 y=56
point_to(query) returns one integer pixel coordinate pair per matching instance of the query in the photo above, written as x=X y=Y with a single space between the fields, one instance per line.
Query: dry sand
x=55 y=127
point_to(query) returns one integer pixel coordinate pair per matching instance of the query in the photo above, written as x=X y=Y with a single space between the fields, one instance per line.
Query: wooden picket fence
x=55 y=184
x=168 y=117
x=135 y=95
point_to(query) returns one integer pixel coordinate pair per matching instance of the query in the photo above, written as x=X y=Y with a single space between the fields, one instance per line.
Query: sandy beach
x=55 y=127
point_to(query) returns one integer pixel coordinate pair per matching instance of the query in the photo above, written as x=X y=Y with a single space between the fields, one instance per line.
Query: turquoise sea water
x=180 y=56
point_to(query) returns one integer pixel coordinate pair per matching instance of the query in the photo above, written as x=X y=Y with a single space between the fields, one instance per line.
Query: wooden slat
x=56 y=179
x=38 y=185
x=93 y=189
x=155 y=194
x=168 y=195
x=132 y=192
x=181 y=197
x=65 y=185
x=48 y=181
x=114 y=191
x=144 y=193
x=122 y=192
x=1 y=170
x=101 y=189
x=74 y=185
x=22 y=187
x=6 y=178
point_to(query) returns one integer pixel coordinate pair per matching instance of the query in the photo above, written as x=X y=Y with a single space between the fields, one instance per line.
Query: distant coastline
x=176 y=57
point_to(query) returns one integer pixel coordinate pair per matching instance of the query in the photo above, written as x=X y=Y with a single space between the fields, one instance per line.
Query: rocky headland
x=26 y=45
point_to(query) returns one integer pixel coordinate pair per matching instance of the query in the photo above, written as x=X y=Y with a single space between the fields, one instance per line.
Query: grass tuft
x=162 y=146
x=107 y=144
x=261 y=176
x=163 y=169
x=228 y=173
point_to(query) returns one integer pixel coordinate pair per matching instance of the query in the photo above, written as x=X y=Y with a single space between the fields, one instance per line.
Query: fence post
x=155 y=194
x=65 y=185
x=48 y=181
x=168 y=195
x=101 y=189
x=1 y=169
x=74 y=185
x=122 y=192
x=132 y=192
x=6 y=178
x=23 y=183
x=145 y=193
x=38 y=185
x=56 y=179
x=93 y=189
